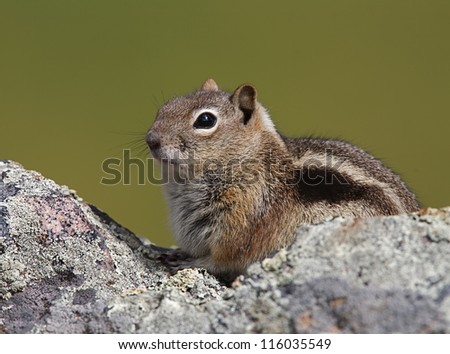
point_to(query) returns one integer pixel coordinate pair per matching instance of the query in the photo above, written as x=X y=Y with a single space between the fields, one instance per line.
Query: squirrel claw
x=176 y=260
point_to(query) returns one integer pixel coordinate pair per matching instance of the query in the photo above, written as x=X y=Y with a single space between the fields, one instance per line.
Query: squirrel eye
x=206 y=120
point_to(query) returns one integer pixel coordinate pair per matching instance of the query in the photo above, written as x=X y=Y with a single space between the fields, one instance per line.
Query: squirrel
x=238 y=190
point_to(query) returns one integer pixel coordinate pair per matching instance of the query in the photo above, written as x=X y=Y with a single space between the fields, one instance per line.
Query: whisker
x=133 y=140
x=156 y=103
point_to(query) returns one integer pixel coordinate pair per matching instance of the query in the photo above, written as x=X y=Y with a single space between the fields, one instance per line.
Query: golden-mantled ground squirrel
x=238 y=190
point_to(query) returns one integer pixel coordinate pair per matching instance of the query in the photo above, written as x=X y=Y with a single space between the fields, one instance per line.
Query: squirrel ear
x=210 y=85
x=245 y=98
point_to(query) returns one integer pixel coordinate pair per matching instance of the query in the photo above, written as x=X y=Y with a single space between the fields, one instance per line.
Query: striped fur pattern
x=239 y=190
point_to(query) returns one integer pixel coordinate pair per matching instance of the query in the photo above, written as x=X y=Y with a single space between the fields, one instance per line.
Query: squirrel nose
x=153 y=140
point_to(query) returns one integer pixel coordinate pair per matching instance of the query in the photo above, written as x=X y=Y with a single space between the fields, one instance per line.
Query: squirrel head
x=209 y=124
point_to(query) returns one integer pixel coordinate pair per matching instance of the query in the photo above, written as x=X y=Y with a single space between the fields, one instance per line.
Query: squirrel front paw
x=176 y=260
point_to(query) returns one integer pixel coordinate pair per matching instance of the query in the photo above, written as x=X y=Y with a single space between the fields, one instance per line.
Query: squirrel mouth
x=159 y=156
x=156 y=153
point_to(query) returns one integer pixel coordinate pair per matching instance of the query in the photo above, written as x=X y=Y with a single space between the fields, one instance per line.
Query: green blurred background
x=81 y=80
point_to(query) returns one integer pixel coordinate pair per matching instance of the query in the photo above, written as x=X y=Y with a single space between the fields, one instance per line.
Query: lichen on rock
x=67 y=267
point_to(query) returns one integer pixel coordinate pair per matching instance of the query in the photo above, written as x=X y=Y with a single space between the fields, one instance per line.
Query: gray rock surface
x=66 y=267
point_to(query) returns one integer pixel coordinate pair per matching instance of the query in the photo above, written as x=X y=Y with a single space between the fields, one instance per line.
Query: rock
x=66 y=267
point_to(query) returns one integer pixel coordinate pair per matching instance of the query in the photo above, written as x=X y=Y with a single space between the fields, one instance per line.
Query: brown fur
x=249 y=188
